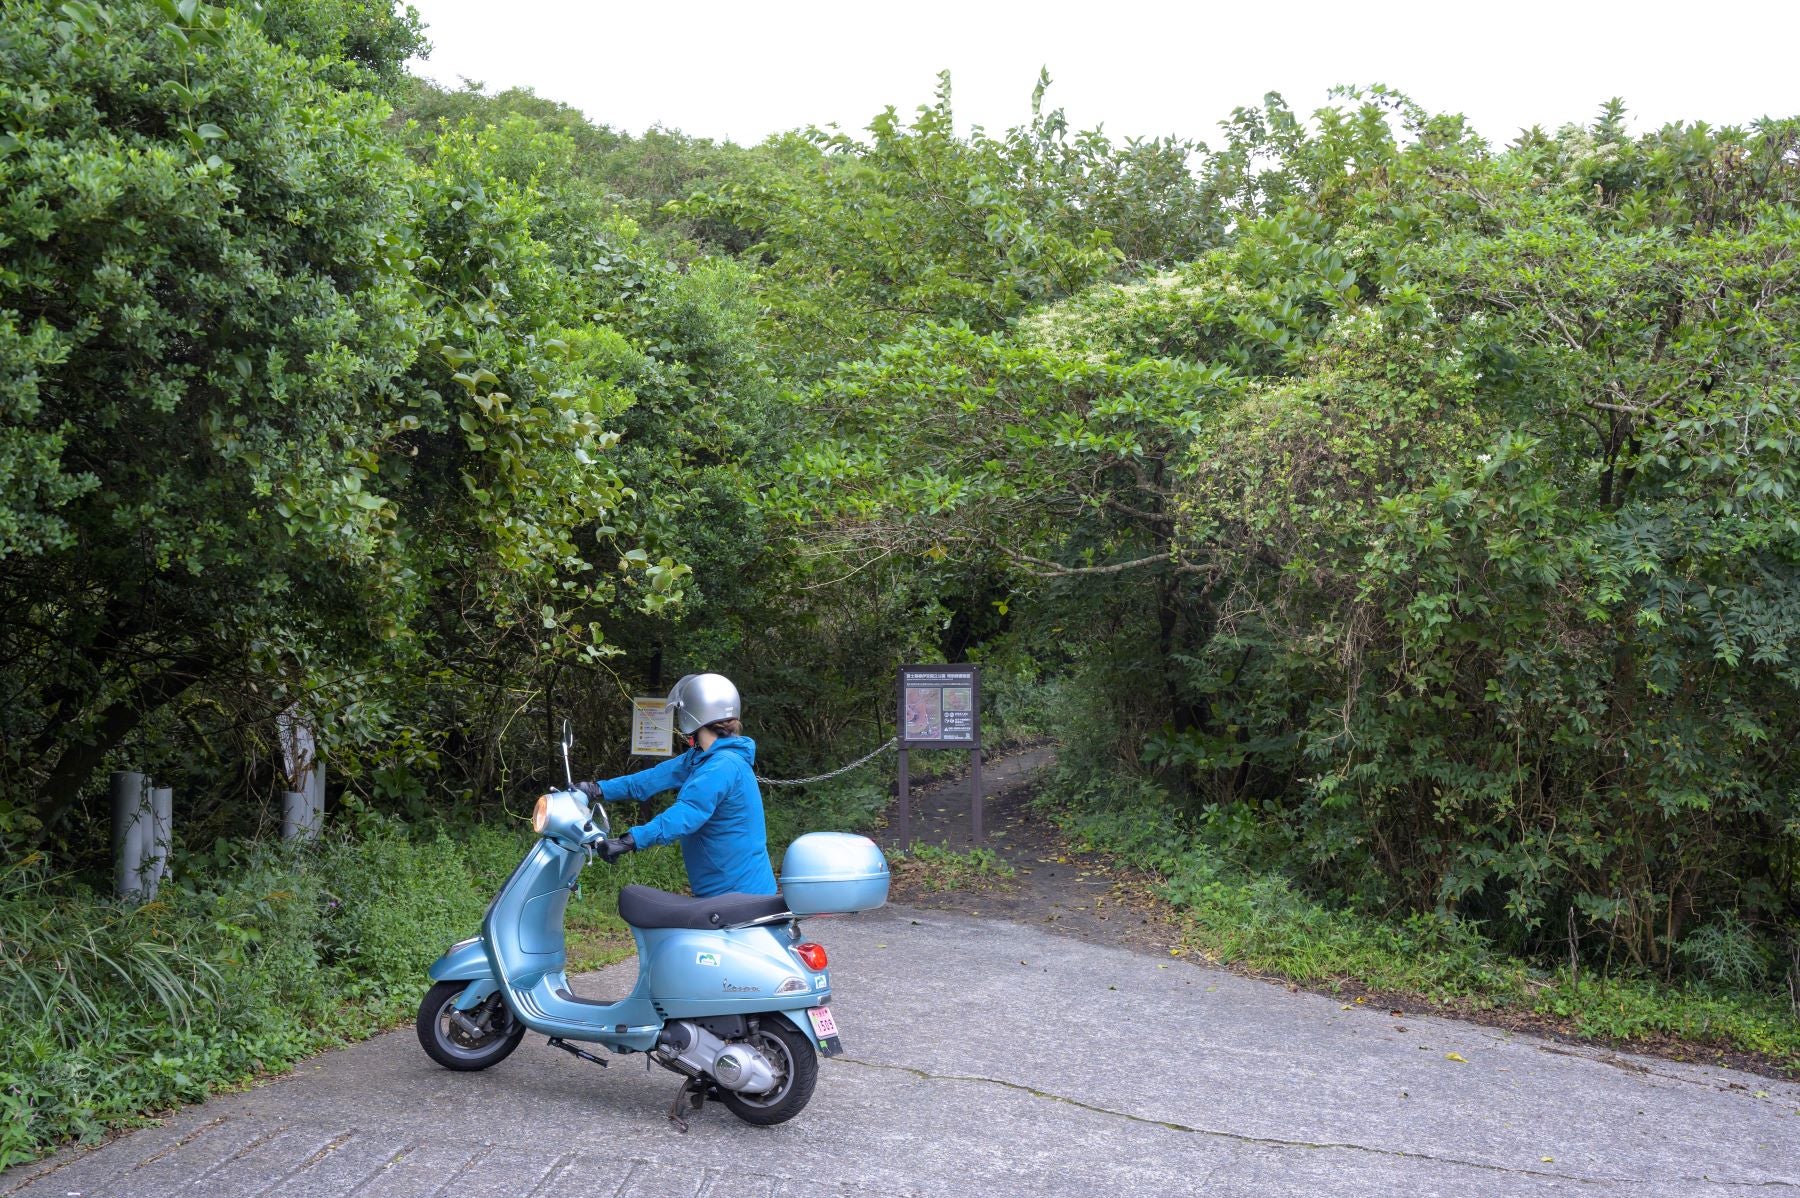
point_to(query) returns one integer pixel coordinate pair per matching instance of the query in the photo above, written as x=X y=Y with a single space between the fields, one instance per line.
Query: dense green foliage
x=317 y=425
x=859 y=241
x=1405 y=525
x=1264 y=923
x=1443 y=522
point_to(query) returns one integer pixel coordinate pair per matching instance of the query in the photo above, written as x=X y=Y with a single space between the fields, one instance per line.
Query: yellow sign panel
x=652 y=728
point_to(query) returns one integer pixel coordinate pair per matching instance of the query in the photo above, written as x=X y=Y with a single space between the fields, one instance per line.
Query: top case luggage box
x=829 y=873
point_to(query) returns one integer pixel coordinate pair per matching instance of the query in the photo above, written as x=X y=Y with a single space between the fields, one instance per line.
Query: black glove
x=590 y=789
x=610 y=850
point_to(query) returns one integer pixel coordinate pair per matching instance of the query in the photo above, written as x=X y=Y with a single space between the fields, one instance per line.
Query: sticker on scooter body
x=825 y=1030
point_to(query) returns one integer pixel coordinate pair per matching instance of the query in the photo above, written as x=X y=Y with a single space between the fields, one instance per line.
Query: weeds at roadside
x=935 y=868
x=1262 y=923
x=257 y=956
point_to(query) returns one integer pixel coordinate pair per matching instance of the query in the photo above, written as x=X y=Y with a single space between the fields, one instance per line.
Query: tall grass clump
x=253 y=957
x=257 y=955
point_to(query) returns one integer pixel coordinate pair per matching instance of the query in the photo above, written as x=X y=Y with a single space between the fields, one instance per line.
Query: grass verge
x=1263 y=924
x=253 y=958
x=257 y=956
x=933 y=868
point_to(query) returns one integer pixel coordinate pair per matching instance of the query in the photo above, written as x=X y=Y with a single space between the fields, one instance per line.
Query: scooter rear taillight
x=812 y=954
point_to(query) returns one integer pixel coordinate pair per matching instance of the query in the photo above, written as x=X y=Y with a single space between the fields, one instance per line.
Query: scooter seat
x=648 y=907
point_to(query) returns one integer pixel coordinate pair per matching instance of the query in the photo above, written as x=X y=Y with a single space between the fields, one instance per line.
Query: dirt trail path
x=1053 y=886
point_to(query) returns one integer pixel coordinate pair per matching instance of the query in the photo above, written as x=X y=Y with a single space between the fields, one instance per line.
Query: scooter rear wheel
x=796 y=1072
x=453 y=1047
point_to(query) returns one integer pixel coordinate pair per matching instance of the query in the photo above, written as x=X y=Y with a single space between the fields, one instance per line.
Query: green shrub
x=1260 y=920
x=114 y=1009
x=851 y=803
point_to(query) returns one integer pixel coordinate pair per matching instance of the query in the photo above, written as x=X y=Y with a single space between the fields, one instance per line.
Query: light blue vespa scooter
x=728 y=994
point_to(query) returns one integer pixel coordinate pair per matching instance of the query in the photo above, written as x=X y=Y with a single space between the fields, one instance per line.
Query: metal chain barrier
x=843 y=769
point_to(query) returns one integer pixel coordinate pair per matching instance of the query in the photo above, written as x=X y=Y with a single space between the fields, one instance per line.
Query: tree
x=270 y=391
x=1437 y=534
x=859 y=240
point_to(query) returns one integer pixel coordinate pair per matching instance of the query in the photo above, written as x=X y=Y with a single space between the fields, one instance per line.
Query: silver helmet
x=701 y=699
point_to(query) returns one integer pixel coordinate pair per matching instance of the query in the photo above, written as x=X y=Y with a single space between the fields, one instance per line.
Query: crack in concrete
x=1269 y=1142
x=552 y=1179
x=399 y=1154
x=318 y=1155
x=1645 y=1068
x=235 y=1157
x=485 y=1151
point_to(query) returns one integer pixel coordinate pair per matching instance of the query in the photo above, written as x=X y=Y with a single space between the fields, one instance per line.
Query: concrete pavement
x=990 y=1058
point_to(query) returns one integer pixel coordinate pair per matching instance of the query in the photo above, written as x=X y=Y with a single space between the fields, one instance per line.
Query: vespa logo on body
x=731 y=988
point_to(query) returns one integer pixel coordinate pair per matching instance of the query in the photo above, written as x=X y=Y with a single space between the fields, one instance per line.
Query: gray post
x=303 y=806
x=156 y=840
x=130 y=831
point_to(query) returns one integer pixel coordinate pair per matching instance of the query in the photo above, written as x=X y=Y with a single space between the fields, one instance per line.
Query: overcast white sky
x=745 y=70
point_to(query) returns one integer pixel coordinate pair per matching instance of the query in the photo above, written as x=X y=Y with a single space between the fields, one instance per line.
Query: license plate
x=825 y=1031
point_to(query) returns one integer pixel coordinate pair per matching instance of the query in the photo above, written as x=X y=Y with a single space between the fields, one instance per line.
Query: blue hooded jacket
x=717 y=816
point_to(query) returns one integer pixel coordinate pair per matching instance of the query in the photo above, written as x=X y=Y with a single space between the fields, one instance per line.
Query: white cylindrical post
x=130 y=831
x=156 y=844
x=296 y=813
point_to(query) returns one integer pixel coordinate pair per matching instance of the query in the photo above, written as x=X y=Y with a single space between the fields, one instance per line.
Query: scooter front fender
x=466 y=960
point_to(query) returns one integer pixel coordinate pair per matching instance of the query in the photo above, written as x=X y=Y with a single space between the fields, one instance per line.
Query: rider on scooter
x=718 y=811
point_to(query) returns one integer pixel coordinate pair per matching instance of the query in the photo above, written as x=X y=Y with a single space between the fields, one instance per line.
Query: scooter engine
x=688 y=1048
x=744 y=1069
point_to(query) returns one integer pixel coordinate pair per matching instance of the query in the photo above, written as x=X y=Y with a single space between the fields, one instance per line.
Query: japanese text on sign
x=652 y=727
x=940 y=705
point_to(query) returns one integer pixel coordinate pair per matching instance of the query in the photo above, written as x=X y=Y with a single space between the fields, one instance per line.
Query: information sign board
x=940 y=706
x=652 y=727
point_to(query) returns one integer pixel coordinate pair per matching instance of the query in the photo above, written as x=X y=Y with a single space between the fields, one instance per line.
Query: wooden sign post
x=940 y=708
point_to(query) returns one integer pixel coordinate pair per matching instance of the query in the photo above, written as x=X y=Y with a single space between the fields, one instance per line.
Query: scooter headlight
x=540 y=815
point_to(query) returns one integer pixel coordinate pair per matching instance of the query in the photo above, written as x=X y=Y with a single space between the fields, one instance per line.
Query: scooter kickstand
x=559 y=1042
x=692 y=1089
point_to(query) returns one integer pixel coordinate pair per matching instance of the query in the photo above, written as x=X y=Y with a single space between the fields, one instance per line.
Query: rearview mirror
x=568 y=742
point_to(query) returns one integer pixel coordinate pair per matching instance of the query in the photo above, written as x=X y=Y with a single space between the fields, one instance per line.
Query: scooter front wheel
x=796 y=1072
x=479 y=1038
